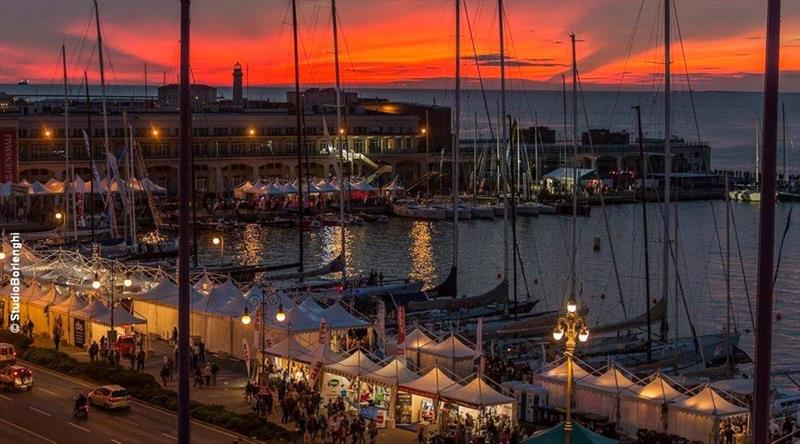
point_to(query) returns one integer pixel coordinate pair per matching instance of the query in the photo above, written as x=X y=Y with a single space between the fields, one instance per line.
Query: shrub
x=20 y=342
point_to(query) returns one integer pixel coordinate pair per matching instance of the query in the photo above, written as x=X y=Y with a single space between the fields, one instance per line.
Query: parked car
x=16 y=377
x=110 y=397
x=8 y=356
x=126 y=345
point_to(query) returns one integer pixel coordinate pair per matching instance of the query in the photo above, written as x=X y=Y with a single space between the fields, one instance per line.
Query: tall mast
x=338 y=140
x=92 y=166
x=562 y=155
x=185 y=192
x=456 y=140
x=574 y=168
x=728 y=361
x=67 y=176
x=298 y=111
x=643 y=174
x=145 y=86
x=102 y=80
x=766 y=229
x=783 y=120
x=665 y=258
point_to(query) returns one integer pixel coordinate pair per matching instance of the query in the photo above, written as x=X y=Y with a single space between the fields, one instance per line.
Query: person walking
x=201 y=351
x=94 y=349
x=198 y=378
x=140 y=360
x=164 y=375
x=29 y=329
x=214 y=373
x=174 y=335
x=57 y=337
x=373 y=431
x=207 y=373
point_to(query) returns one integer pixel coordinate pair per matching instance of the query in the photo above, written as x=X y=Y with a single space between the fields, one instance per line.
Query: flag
x=401 y=330
x=380 y=324
x=319 y=360
x=479 y=345
x=246 y=351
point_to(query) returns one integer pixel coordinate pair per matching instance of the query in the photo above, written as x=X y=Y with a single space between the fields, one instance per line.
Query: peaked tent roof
x=580 y=435
x=357 y=364
x=92 y=310
x=70 y=304
x=450 y=347
x=121 y=317
x=612 y=379
x=657 y=389
x=310 y=307
x=560 y=372
x=204 y=284
x=221 y=295
x=290 y=347
x=394 y=372
x=417 y=339
x=477 y=393
x=337 y=318
x=166 y=292
x=434 y=383
x=299 y=321
x=710 y=402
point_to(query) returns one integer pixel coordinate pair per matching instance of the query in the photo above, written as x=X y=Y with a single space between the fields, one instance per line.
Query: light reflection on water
x=422 y=250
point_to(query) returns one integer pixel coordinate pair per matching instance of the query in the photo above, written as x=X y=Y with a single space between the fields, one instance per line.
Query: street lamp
x=59 y=216
x=219 y=240
x=271 y=299
x=96 y=282
x=127 y=282
x=573 y=326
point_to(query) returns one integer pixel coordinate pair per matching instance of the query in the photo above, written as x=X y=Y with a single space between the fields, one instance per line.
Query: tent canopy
x=394 y=372
x=612 y=379
x=580 y=435
x=450 y=347
x=434 y=382
x=477 y=393
x=339 y=318
x=121 y=317
x=355 y=365
x=417 y=339
x=560 y=372
x=657 y=389
x=711 y=403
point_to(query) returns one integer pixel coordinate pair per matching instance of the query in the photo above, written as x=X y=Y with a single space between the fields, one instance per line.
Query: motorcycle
x=81 y=411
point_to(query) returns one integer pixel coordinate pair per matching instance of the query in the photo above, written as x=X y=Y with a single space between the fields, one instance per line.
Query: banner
x=380 y=325
x=9 y=155
x=246 y=351
x=401 y=330
x=479 y=345
x=79 y=332
x=319 y=359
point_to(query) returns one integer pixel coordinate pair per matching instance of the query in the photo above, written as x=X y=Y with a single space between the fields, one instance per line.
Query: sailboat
x=750 y=193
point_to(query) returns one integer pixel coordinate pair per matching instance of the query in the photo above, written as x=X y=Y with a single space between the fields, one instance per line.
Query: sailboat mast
x=102 y=81
x=92 y=166
x=338 y=140
x=643 y=174
x=727 y=278
x=504 y=145
x=298 y=112
x=67 y=176
x=456 y=136
x=665 y=259
x=574 y=168
x=783 y=121
x=766 y=230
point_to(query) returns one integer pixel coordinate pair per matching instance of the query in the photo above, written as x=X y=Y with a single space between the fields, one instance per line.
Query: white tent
x=643 y=406
x=431 y=384
x=355 y=365
x=38 y=189
x=204 y=284
x=325 y=187
x=339 y=318
x=220 y=295
x=394 y=372
x=477 y=393
x=451 y=354
x=697 y=418
x=289 y=347
x=245 y=188
x=554 y=380
x=601 y=394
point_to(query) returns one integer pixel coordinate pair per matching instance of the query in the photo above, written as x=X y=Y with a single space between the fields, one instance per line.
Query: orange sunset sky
x=399 y=42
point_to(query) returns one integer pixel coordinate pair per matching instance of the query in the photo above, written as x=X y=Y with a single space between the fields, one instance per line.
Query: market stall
x=451 y=353
x=416 y=399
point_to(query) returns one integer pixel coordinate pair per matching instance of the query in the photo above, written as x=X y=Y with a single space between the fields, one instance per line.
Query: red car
x=16 y=377
x=126 y=346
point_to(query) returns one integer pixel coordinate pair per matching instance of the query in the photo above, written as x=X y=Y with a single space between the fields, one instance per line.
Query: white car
x=110 y=397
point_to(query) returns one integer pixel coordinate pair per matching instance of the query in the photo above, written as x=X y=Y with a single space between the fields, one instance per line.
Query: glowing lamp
x=246 y=318
x=47 y=133
x=59 y=215
x=424 y=130
x=96 y=282
x=572 y=306
x=2 y=256
x=127 y=282
x=215 y=240
x=280 y=315
x=252 y=132
x=155 y=132
x=341 y=130
x=583 y=335
x=558 y=334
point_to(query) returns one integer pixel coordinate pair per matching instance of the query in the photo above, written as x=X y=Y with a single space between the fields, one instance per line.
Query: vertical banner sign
x=380 y=324
x=479 y=345
x=246 y=352
x=319 y=359
x=9 y=155
x=401 y=330
x=79 y=332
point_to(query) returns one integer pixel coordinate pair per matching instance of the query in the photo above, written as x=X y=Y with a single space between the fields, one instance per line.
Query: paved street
x=44 y=415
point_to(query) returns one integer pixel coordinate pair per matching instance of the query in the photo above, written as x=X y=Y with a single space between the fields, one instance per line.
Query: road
x=44 y=415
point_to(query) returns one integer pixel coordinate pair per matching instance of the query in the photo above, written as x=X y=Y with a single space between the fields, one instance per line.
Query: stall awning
x=580 y=435
x=450 y=347
x=394 y=372
x=417 y=340
x=709 y=402
x=612 y=380
x=657 y=389
x=431 y=383
x=477 y=393
x=560 y=372
x=355 y=365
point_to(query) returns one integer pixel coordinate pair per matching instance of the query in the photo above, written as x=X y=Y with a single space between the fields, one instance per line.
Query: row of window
x=155 y=131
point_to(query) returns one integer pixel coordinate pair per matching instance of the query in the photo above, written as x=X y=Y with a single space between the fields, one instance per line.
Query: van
x=8 y=356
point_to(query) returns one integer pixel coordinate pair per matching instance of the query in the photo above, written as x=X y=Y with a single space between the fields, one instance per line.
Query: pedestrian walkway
x=229 y=391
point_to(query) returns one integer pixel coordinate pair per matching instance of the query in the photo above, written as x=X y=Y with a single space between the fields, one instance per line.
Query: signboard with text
x=9 y=155
x=79 y=331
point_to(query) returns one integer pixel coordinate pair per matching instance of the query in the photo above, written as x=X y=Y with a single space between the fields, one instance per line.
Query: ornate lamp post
x=271 y=299
x=572 y=326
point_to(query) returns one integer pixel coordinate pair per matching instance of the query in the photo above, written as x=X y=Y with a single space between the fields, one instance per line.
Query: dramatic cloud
x=398 y=42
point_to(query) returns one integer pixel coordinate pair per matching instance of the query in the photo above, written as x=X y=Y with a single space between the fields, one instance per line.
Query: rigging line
x=719 y=242
x=783 y=239
x=478 y=68
x=625 y=65
x=603 y=204
x=686 y=70
x=744 y=275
